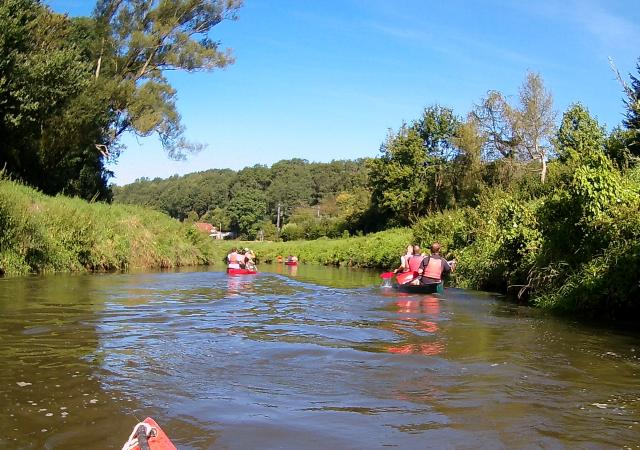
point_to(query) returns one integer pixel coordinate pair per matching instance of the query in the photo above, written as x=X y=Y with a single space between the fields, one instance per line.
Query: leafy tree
x=438 y=128
x=496 y=121
x=46 y=126
x=291 y=185
x=329 y=179
x=139 y=41
x=247 y=210
x=218 y=217
x=618 y=148
x=398 y=178
x=522 y=132
x=468 y=168
x=579 y=134
x=535 y=119
x=255 y=177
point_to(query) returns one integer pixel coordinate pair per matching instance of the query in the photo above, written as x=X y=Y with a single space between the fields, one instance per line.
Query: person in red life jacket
x=233 y=259
x=414 y=261
x=433 y=267
x=404 y=267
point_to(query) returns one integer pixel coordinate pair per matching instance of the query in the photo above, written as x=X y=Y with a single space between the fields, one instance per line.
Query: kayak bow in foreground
x=147 y=435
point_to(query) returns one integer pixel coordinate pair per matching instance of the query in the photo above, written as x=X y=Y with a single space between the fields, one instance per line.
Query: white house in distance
x=214 y=232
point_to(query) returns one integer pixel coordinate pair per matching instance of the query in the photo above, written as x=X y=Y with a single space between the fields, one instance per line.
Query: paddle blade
x=386 y=275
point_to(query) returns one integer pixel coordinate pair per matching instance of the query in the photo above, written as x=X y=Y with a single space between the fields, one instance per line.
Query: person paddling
x=414 y=261
x=404 y=266
x=233 y=259
x=249 y=259
x=433 y=267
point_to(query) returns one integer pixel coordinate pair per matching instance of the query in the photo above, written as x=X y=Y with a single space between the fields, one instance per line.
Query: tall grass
x=39 y=234
x=381 y=249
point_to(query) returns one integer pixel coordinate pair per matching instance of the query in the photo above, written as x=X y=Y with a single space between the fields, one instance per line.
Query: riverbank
x=375 y=250
x=42 y=234
x=566 y=250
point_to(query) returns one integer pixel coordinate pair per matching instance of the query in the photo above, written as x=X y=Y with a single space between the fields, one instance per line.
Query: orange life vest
x=414 y=262
x=433 y=269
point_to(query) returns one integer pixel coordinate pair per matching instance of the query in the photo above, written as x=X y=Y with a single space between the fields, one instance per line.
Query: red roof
x=205 y=227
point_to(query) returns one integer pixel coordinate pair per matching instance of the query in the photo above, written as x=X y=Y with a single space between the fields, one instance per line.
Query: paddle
x=387 y=275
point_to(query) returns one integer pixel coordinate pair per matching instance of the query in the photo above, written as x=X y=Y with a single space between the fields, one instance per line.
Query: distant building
x=214 y=232
x=205 y=227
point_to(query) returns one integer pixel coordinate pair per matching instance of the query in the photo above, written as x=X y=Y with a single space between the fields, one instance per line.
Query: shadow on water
x=302 y=357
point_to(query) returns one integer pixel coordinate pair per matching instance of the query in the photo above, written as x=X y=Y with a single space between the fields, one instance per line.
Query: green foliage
x=247 y=210
x=291 y=232
x=48 y=127
x=579 y=135
x=297 y=183
x=617 y=147
x=52 y=234
x=632 y=117
x=141 y=40
x=398 y=179
x=69 y=88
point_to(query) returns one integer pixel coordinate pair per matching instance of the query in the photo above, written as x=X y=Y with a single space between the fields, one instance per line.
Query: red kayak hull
x=241 y=272
x=291 y=263
x=157 y=441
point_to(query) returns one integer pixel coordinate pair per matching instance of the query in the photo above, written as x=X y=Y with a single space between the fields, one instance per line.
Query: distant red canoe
x=291 y=263
x=241 y=272
x=148 y=434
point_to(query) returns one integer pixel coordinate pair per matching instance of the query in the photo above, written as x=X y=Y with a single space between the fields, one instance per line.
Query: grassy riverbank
x=381 y=249
x=60 y=234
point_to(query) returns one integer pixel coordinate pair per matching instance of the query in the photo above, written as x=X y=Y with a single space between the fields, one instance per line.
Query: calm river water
x=314 y=358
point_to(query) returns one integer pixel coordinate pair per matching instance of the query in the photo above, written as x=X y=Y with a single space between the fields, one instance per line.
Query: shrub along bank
x=574 y=250
x=54 y=234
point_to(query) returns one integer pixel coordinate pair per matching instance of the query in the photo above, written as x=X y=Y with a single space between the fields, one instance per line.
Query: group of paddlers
x=242 y=258
x=288 y=259
x=428 y=269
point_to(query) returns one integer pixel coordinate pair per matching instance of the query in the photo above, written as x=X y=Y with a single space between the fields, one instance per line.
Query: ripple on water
x=282 y=362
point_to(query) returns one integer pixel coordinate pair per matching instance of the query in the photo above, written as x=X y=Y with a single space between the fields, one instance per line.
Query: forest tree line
x=437 y=162
x=314 y=199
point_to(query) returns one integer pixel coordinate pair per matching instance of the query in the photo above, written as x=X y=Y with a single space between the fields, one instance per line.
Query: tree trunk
x=543 y=172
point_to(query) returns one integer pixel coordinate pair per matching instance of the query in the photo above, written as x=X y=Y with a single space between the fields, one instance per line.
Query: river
x=303 y=358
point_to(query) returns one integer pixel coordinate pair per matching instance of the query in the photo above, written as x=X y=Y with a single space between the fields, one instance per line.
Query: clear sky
x=326 y=79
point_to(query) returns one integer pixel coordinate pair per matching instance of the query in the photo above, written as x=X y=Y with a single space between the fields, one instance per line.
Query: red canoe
x=291 y=263
x=148 y=434
x=241 y=272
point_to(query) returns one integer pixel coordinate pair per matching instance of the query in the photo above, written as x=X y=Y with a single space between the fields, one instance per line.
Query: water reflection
x=417 y=326
x=239 y=285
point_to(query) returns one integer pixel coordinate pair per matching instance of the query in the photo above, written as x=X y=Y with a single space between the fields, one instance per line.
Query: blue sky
x=324 y=80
